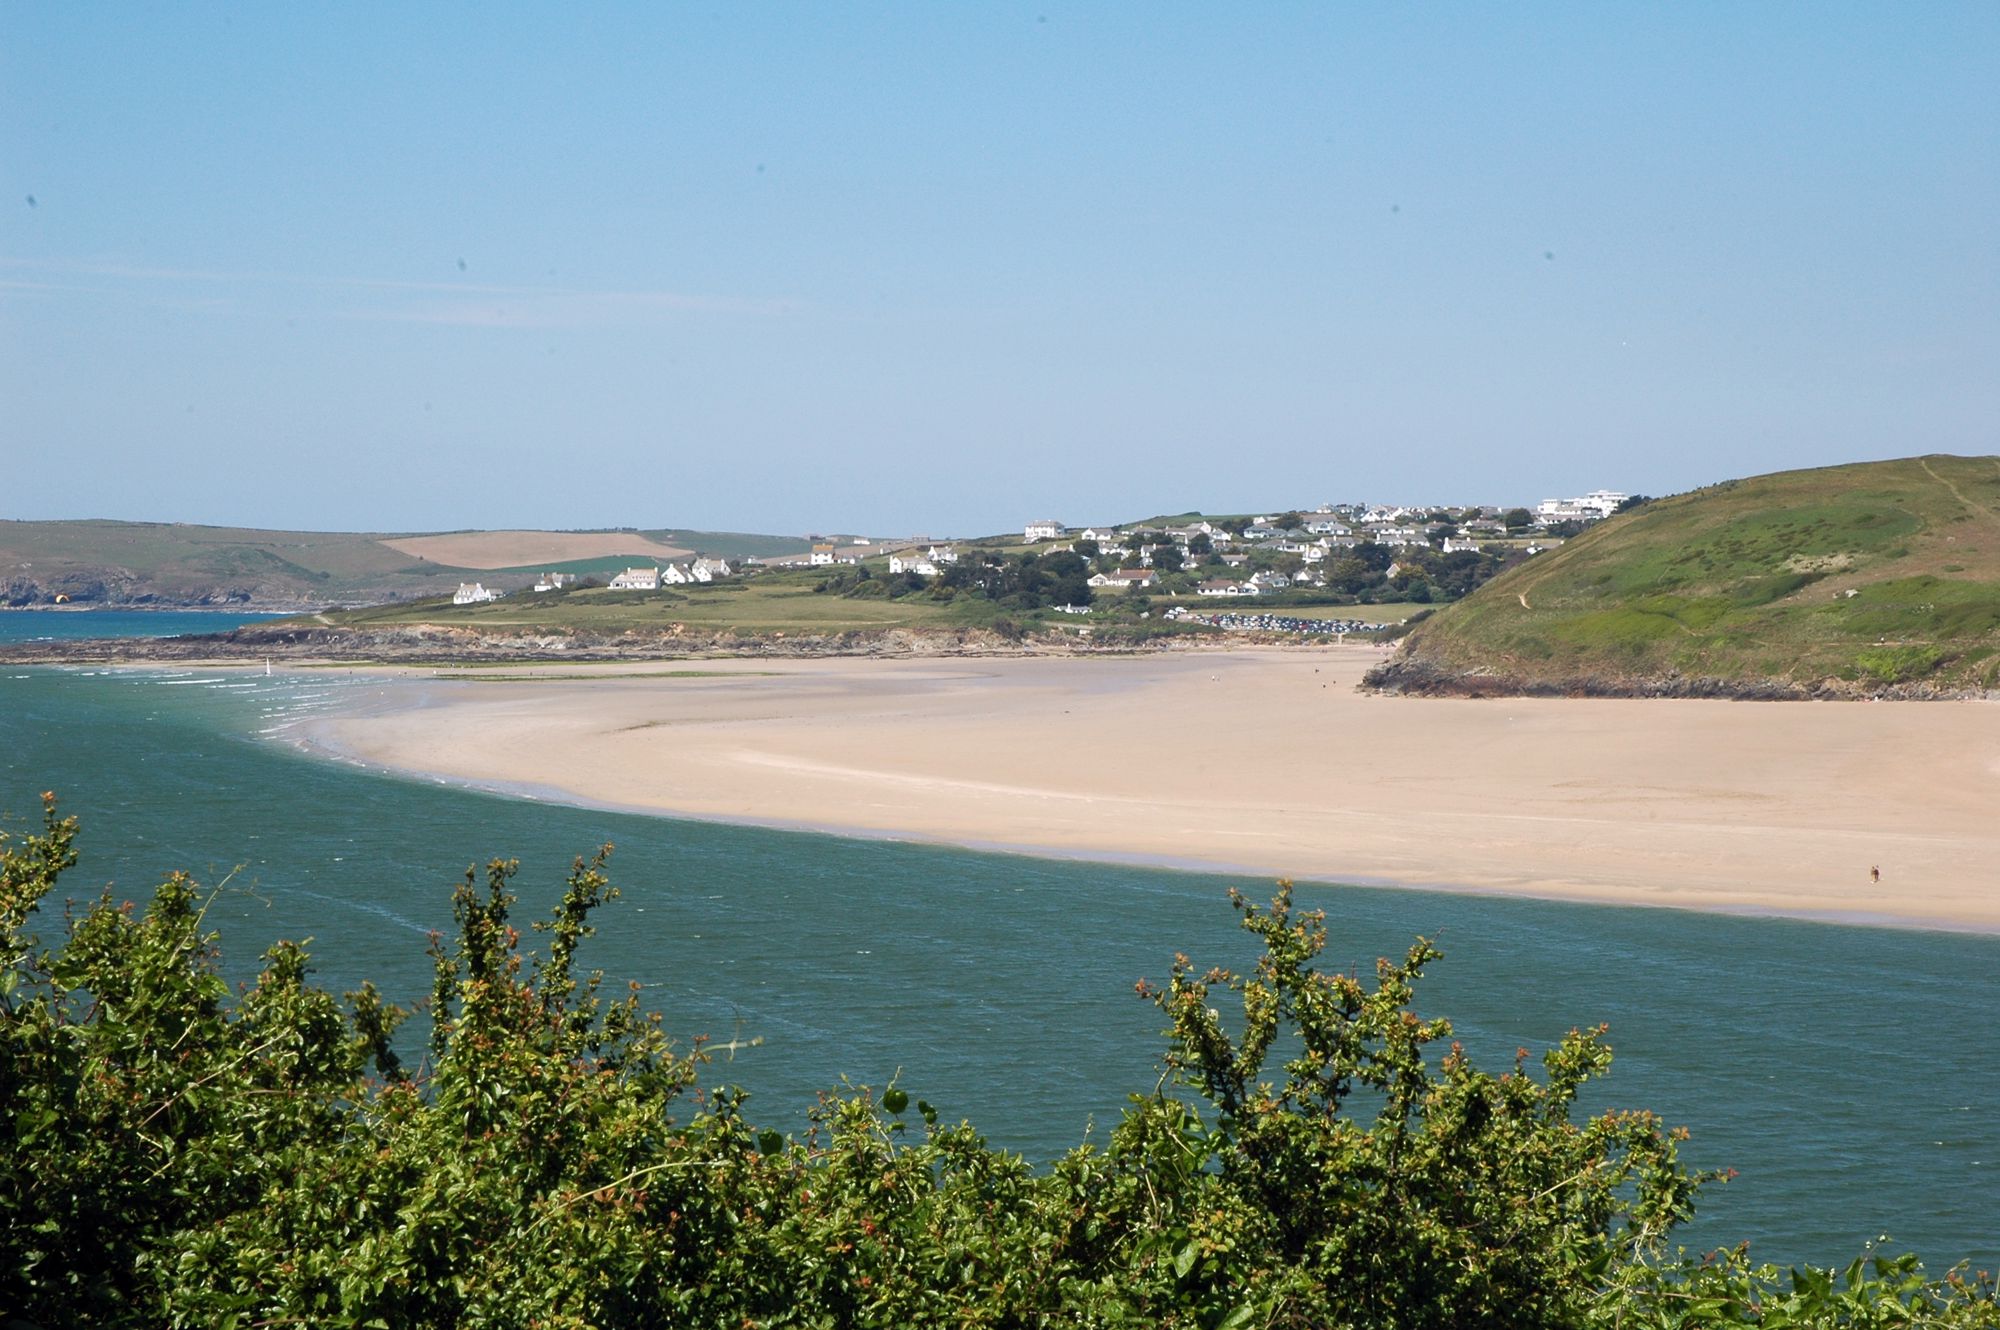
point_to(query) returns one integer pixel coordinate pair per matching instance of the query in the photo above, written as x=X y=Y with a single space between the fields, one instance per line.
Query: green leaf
x=1240 y=1316
x=770 y=1142
x=1185 y=1260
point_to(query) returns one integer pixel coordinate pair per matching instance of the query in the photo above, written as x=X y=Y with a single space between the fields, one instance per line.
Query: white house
x=471 y=593
x=1454 y=544
x=555 y=581
x=822 y=554
x=941 y=554
x=707 y=570
x=1124 y=579
x=1103 y=535
x=637 y=579
x=1584 y=508
x=1223 y=587
x=1035 y=531
x=909 y=561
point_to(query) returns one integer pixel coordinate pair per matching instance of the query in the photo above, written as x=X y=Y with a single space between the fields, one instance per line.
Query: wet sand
x=1269 y=762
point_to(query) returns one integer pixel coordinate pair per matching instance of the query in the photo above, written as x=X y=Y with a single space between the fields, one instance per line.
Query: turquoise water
x=1851 y=1075
x=50 y=625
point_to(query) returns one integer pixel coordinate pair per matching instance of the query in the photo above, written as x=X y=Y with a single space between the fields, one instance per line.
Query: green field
x=770 y=602
x=1880 y=573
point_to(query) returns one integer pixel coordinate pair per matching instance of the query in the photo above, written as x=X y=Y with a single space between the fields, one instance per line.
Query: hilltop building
x=1591 y=507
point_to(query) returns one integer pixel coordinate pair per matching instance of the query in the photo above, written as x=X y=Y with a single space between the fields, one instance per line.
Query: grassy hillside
x=1864 y=577
x=124 y=563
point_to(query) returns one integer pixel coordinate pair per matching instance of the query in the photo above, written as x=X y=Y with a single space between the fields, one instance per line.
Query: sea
x=1850 y=1075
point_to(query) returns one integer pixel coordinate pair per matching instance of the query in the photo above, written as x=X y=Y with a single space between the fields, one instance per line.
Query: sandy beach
x=1267 y=762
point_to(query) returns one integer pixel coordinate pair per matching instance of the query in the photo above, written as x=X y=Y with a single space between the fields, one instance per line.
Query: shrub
x=180 y=1157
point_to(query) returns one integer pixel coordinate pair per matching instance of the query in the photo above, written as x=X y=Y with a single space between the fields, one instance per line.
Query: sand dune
x=1271 y=762
x=518 y=549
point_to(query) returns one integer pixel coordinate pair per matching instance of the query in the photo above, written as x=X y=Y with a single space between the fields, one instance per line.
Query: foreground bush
x=177 y=1156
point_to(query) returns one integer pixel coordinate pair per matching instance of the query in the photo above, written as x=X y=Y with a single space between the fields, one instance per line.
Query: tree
x=1374 y=555
x=1460 y=1198
x=1517 y=518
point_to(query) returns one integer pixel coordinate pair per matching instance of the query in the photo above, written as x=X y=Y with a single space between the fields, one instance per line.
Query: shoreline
x=322 y=750
x=875 y=749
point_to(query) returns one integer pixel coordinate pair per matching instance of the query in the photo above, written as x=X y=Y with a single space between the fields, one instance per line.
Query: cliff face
x=112 y=587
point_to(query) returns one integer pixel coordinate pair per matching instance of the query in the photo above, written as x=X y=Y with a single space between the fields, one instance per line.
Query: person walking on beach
x=1875 y=873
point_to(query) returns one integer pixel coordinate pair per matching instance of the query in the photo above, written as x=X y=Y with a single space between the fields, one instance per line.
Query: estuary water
x=1850 y=1075
x=42 y=625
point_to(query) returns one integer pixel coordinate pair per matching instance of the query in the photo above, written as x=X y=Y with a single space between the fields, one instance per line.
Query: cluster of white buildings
x=632 y=579
x=1343 y=526
x=672 y=574
x=1591 y=507
x=925 y=562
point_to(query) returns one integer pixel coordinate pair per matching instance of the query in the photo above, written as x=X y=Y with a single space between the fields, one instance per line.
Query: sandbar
x=1268 y=762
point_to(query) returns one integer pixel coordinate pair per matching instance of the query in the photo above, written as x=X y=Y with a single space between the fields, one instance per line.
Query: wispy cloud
x=466 y=304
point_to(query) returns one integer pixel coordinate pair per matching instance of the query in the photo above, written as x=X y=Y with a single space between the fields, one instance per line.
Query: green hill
x=113 y=563
x=1870 y=579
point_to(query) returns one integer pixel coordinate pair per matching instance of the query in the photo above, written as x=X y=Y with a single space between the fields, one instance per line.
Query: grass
x=175 y=560
x=1883 y=571
x=778 y=602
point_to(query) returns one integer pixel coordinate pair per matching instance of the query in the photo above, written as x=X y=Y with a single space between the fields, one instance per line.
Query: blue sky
x=949 y=267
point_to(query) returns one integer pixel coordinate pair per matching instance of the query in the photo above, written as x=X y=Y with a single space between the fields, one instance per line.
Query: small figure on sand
x=1875 y=873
